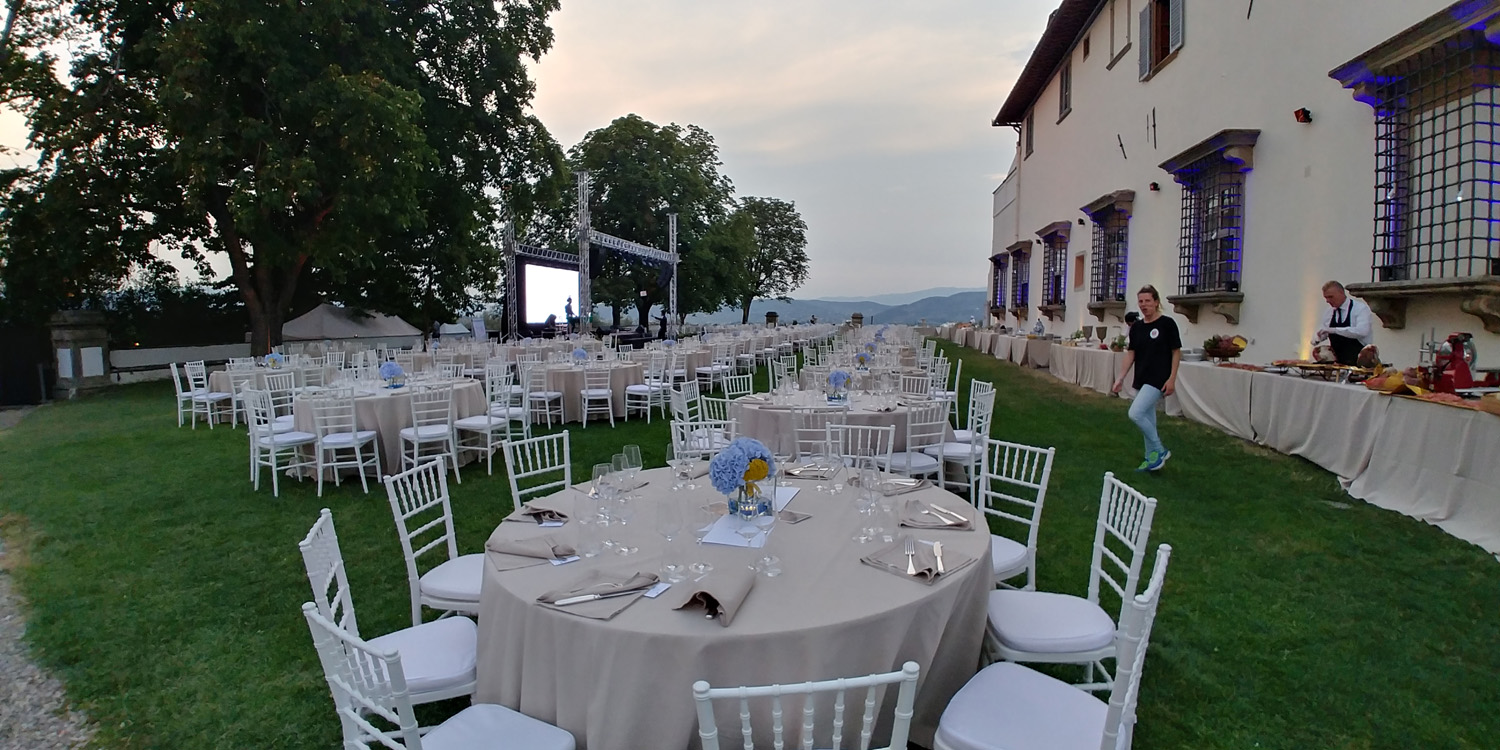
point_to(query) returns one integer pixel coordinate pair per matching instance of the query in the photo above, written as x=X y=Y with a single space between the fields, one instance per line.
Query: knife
x=593 y=597
x=937 y=551
x=941 y=509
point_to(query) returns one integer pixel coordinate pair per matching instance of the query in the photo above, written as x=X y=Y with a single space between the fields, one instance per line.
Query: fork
x=911 y=551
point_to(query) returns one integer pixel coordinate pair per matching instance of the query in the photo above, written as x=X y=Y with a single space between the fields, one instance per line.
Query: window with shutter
x=1161 y=34
x=1065 y=90
x=1145 y=41
x=1030 y=128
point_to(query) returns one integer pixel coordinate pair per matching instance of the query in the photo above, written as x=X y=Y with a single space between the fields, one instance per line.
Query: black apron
x=1345 y=349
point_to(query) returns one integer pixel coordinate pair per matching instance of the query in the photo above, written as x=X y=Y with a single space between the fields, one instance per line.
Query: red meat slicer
x=1453 y=365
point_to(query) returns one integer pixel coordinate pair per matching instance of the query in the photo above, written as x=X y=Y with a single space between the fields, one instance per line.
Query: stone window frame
x=1054 y=238
x=1111 y=207
x=1232 y=150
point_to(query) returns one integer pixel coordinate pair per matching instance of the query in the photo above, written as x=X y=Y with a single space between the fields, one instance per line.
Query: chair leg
x=320 y=470
x=359 y=465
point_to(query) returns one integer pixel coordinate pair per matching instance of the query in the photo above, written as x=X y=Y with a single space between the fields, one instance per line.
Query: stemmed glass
x=705 y=518
x=633 y=463
x=768 y=565
x=669 y=525
x=603 y=491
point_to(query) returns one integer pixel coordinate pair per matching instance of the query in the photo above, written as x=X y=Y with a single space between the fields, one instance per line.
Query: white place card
x=564 y=560
x=658 y=590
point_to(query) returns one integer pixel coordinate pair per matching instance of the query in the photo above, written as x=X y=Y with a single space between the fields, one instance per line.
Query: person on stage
x=568 y=316
x=1346 y=324
x=1156 y=351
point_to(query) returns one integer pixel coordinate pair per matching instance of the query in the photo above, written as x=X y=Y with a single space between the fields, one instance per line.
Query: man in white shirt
x=1346 y=324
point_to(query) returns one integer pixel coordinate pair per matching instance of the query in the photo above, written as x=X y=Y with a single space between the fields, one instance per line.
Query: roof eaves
x=1063 y=30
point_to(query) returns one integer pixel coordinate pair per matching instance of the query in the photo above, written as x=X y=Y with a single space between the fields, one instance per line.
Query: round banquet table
x=222 y=382
x=626 y=682
x=387 y=411
x=772 y=421
x=568 y=380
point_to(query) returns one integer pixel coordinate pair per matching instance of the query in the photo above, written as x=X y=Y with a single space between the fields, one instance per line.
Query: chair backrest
x=916 y=385
x=701 y=438
x=365 y=682
x=334 y=359
x=779 y=373
x=686 y=402
x=1013 y=483
x=497 y=382
x=450 y=369
x=810 y=428
x=981 y=415
x=1125 y=517
x=546 y=462
x=926 y=424
x=432 y=405
x=852 y=442
x=177 y=377
x=656 y=368
x=262 y=417
x=871 y=685
x=197 y=375
x=596 y=378
x=714 y=408
x=423 y=513
x=282 y=385
x=1135 y=636
x=241 y=363
x=333 y=412
x=738 y=385
x=325 y=572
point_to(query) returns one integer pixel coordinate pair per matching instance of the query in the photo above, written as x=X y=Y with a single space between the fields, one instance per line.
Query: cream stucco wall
x=1309 y=199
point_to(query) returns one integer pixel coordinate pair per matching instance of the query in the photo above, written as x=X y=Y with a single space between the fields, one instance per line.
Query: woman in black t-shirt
x=1155 y=351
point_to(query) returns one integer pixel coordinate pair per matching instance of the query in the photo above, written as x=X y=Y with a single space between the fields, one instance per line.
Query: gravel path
x=33 y=713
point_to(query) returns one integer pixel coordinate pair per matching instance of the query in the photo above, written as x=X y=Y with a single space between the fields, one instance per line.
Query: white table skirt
x=1216 y=396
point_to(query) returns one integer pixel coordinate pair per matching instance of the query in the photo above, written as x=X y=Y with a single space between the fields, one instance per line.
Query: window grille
x=997 y=273
x=1055 y=269
x=1435 y=162
x=1111 y=251
x=1020 y=279
x=1213 y=219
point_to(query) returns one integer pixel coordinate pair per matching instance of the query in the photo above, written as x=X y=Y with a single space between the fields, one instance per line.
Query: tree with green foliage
x=778 y=261
x=640 y=173
x=358 y=144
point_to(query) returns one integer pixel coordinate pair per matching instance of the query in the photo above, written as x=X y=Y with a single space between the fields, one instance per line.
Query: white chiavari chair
x=278 y=451
x=597 y=397
x=1012 y=489
x=341 y=444
x=431 y=432
x=424 y=523
x=538 y=466
x=845 y=693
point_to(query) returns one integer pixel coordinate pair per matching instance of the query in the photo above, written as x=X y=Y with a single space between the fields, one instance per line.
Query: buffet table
x=1216 y=396
x=625 y=682
x=1018 y=349
x=1001 y=346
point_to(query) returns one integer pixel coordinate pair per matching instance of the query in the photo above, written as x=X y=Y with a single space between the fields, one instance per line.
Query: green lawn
x=165 y=592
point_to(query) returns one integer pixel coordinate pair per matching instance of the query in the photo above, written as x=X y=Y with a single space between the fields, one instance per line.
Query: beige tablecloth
x=220 y=380
x=983 y=340
x=1098 y=368
x=1039 y=353
x=774 y=424
x=1018 y=349
x=1440 y=464
x=625 y=682
x=1332 y=425
x=1000 y=347
x=568 y=380
x=388 y=411
x=1062 y=362
x=1216 y=396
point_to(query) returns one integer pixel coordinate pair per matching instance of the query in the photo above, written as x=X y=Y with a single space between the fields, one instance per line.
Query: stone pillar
x=771 y=318
x=857 y=319
x=80 y=345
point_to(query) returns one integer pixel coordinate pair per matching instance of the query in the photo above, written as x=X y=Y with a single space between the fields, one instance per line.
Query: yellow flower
x=754 y=472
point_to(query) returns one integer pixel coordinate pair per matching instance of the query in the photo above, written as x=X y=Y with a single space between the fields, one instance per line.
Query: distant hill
x=935 y=309
x=904 y=298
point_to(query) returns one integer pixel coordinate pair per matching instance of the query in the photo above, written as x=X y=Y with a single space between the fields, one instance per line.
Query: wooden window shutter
x=1174 y=18
x=1144 y=40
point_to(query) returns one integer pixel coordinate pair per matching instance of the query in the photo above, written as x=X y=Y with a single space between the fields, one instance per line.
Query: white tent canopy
x=454 y=329
x=329 y=322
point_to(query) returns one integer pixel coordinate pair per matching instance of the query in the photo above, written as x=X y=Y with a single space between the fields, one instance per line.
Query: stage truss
x=587 y=237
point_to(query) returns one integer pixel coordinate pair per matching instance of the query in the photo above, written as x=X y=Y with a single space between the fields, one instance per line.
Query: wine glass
x=704 y=519
x=633 y=460
x=768 y=564
x=669 y=526
x=621 y=472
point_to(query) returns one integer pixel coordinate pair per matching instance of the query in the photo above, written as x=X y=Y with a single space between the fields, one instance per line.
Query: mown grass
x=165 y=592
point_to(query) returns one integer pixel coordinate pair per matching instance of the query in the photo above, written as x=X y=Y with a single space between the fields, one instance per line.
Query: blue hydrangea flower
x=391 y=370
x=274 y=359
x=838 y=378
x=727 y=469
x=580 y=353
x=669 y=342
x=862 y=359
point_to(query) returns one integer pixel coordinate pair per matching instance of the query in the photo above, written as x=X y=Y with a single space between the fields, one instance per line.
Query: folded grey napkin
x=700 y=469
x=619 y=591
x=892 y=559
x=719 y=595
x=544 y=509
x=913 y=517
x=506 y=553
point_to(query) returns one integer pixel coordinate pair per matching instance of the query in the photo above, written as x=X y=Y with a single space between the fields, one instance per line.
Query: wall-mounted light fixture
x=1303 y=115
x=1080 y=222
x=1155 y=188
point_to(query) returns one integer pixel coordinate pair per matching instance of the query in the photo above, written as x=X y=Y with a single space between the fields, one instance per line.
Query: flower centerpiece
x=870 y=347
x=838 y=386
x=580 y=354
x=669 y=343
x=1119 y=344
x=393 y=375
x=274 y=360
x=862 y=360
x=737 y=471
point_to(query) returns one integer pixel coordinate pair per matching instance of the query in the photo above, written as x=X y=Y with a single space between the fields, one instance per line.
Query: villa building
x=1236 y=155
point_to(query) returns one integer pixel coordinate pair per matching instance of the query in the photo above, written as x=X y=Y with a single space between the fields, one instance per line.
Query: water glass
x=669 y=526
x=633 y=460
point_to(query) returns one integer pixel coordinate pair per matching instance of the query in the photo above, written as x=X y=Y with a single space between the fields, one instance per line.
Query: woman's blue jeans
x=1143 y=413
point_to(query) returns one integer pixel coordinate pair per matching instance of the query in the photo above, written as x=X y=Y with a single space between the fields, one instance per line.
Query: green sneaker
x=1154 y=460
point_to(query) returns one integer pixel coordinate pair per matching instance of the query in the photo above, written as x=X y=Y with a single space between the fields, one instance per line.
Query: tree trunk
x=615 y=316
x=745 y=310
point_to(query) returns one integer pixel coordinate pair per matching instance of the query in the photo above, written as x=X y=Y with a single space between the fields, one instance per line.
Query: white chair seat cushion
x=1011 y=707
x=283 y=439
x=337 y=439
x=285 y=419
x=457 y=579
x=508 y=412
x=211 y=396
x=546 y=395
x=597 y=393
x=480 y=423
x=435 y=655
x=963 y=436
x=953 y=451
x=1043 y=622
x=1006 y=554
x=425 y=432
x=645 y=389
x=486 y=726
x=913 y=462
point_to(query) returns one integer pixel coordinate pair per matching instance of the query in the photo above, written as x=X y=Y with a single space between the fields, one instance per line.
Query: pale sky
x=871 y=115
